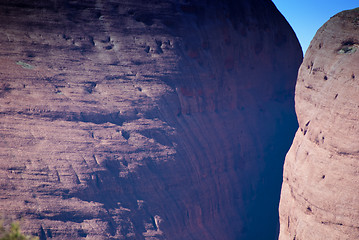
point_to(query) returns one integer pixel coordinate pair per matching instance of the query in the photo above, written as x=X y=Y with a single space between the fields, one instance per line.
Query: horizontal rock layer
x=145 y=119
x=320 y=194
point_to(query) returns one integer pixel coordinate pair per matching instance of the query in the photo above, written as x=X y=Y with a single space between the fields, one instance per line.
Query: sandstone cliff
x=320 y=194
x=145 y=119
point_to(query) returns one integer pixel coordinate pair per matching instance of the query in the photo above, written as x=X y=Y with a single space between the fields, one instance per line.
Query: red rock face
x=319 y=197
x=145 y=120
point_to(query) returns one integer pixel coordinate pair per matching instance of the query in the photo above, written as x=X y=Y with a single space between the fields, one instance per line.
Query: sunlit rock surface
x=320 y=194
x=145 y=119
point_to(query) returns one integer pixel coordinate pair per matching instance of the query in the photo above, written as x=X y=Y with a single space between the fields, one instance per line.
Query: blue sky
x=307 y=16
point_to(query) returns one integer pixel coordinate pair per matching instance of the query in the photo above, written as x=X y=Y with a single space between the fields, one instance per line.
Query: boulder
x=145 y=119
x=319 y=198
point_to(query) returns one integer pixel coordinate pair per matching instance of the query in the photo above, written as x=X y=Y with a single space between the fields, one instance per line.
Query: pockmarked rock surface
x=320 y=194
x=145 y=119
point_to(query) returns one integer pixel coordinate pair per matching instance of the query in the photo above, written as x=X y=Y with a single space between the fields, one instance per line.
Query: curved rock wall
x=145 y=119
x=320 y=193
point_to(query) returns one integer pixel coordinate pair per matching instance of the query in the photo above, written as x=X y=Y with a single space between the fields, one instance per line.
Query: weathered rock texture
x=145 y=119
x=320 y=194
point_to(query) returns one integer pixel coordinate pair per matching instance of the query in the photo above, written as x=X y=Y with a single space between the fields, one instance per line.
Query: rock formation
x=164 y=119
x=320 y=195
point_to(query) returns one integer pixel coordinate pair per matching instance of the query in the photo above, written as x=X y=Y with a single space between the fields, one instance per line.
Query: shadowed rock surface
x=320 y=192
x=145 y=119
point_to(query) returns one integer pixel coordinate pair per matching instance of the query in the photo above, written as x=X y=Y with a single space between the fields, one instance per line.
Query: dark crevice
x=91 y=40
x=49 y=233
x=288 y=222
x=98 y=118
x=88 y=117
x=106 y=40
x=349 y=42
x=89 y=86
x=115 y=77
x=64 y=216
x=154 y=223
x=159 y=47
x=348 y=46
x=158 y=135
x=332 y=223
x=5 y=88
x=81 y=233
x=146 y=18
x=125 y=134
x=42 y=235
x=311 y=65
x=305 y=130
